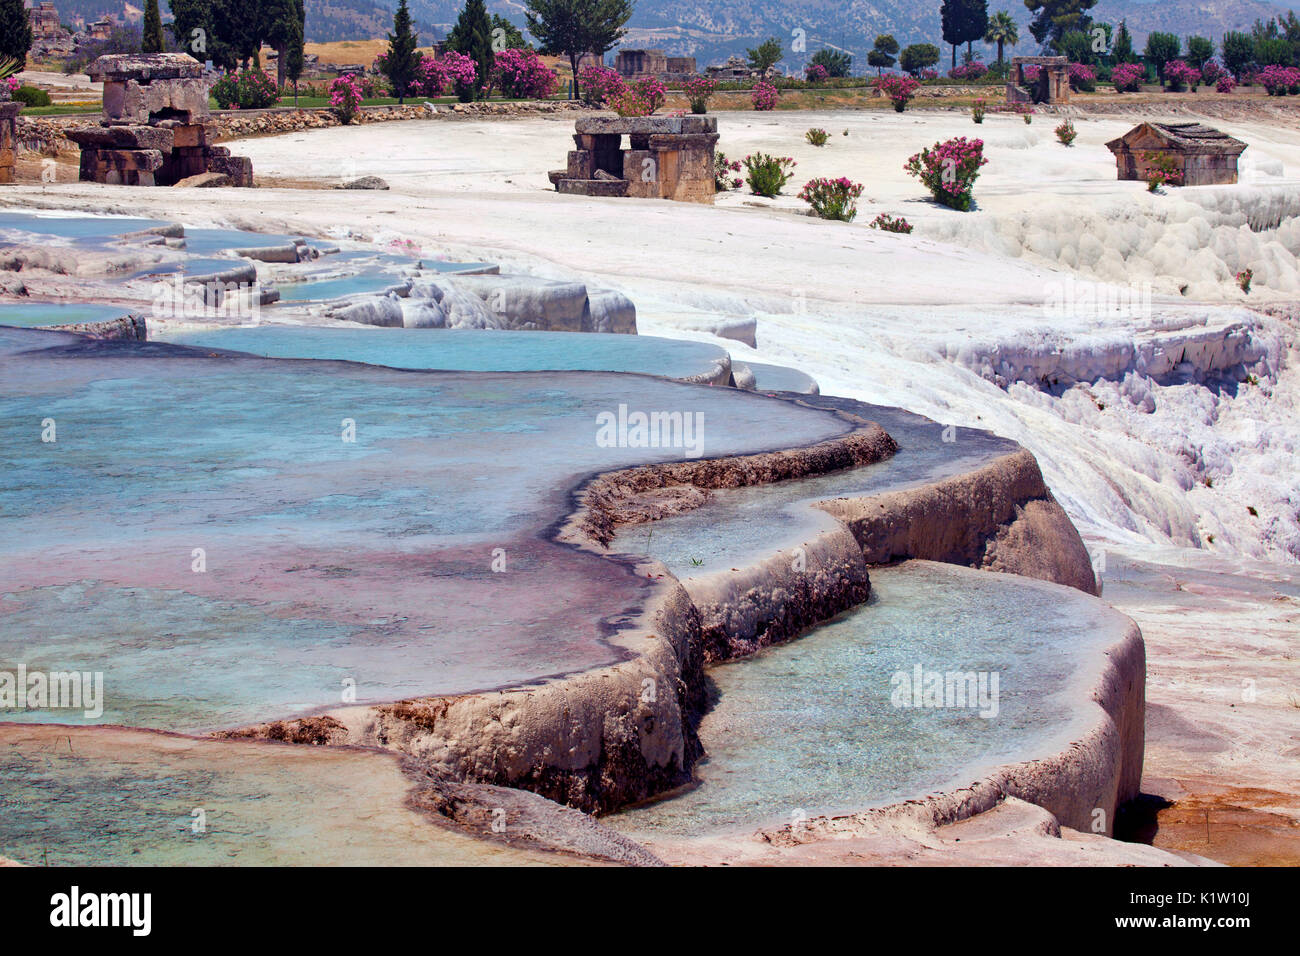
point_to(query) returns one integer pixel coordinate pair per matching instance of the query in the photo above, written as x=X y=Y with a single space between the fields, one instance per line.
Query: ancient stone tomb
x=670 y=157
x=1051 y=86
x=154 y=130
x=1207 y=156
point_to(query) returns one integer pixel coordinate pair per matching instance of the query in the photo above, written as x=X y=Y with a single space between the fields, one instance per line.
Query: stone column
x=8 y=140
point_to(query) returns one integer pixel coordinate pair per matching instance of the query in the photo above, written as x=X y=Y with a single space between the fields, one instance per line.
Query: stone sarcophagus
x=1206 y=156
x=667 y=157
x=154 y=131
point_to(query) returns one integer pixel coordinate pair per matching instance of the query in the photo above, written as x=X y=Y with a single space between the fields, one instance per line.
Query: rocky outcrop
x=1000 y=517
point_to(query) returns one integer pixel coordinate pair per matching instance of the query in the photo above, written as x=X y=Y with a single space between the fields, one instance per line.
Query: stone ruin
x=670 y=157
x=1051 y=87
x=8 y=140
x=155 y=127
x=1206 y=156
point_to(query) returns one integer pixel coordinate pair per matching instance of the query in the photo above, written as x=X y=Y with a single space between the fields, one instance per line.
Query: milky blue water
x=743 y=525
x=812 y=726
x=31 y=315
x=479 y=350
x=349 y=516
x=321 y=289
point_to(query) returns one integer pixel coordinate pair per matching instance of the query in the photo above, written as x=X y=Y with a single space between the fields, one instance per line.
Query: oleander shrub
x=817 y=136
x=899 y=89
x=887 y=223
x=345 y=97
x=1127 y=78
x=723 y=169
x=978 y=110
x=1180 y=76
x=596 y=84
x=641 y=98
x=521 y=74
x=949 y=170
x=698 y=89
x=767 y=175
x=764 y=96
x=1066 y=133
x=1083 y=79
x=832 y=198
x=1162 y=170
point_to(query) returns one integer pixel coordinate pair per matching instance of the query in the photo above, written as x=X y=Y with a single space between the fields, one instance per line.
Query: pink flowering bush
x=969 y=71
x=642 y=98
x=722 y=170
x=1180 y=76
x=887 y=223
x=521 y=74
x=1212 y=72
x=1226 y=83
x=832 y=198
x=949 y=170
x=1279 y=80
x=899 y=89
x=764 y=96
x=1127 y=78
x=815 y=73
x=1082 y=78
x=698 y=89
x=1244 y=279
x=461 y=72
x=245 y=90
x=345 y=97
x=927 y=74
x=766 y=175
x=597 y=84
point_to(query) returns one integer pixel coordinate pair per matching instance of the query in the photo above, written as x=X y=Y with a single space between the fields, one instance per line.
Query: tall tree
x=574 y=27
x=472 y=36
x=1052 y=18
x=15 y=32
x=883 y=53
x=918 y=57
x=834 y=62
x=1200 y=50
x=964 y=21
x=1161 y=49
x=765 y=56
x=294 y=58
x=152 y=39
x=402 y=60
x=1003 y=31
x=282 y=27
x=507 y=36
x=1123 y=51
x=1238 y=52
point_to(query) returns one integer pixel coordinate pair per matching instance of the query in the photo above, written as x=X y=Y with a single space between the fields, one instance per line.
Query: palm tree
x=1002 y=30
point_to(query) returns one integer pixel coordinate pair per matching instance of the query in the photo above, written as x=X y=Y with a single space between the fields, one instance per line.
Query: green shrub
x=817 y=136
x=767 y=174
x=31 y=96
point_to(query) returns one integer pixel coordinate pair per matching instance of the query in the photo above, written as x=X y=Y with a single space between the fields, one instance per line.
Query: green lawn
x=61 y=109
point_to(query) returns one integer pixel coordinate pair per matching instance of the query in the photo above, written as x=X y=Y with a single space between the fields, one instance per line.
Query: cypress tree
x=15 y=32
x=472 y=36
x=403 y=61
x=152 y=39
